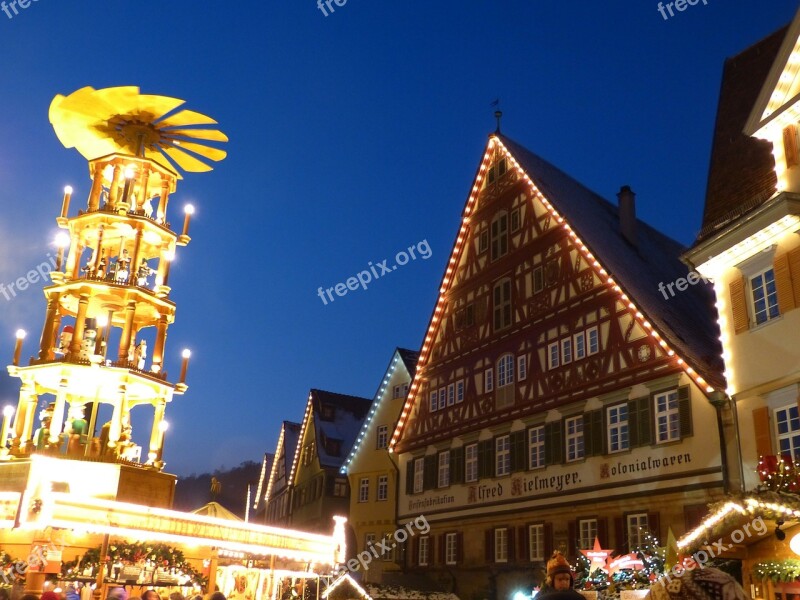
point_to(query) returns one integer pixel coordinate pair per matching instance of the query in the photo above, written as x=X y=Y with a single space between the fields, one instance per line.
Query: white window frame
x=587 y=532
x=573 y=429
x=566 y=351
x=383 y=436
x=501 y=545
x=553 y=355
x=451 y=548
x=619 y=428
x=443 y=479
x=434 y=401
x=396 y=392
x=470 y=463
x=770 y=299
x=536 y=447
x=459 y=391
x=419 y=474
x=536 y=542
x=442 y=398
x=488 y=379
x=369 y=541
x=505 y=371
x=638 y=526
x=363 y=489
x=667 y=416
x=579 y=343
x=451 y=394
x=792 y=430
x=424 y=551
x=522 y=368
x=382 y=493
x=502 y=456
x=592 y=341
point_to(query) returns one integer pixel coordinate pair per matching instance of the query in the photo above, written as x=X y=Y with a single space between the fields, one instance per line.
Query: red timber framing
x=520 y=296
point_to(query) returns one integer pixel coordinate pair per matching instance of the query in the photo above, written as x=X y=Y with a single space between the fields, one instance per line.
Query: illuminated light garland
x=261 y=480
x=273 y=471
x=346 y=577
x=300 y=439
x=582 y=248
x=375 y=404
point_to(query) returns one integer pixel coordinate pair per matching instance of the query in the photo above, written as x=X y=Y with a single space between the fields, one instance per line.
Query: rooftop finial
x=498 y=114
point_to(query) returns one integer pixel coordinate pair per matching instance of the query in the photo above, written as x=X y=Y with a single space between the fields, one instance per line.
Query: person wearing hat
x=558 y=585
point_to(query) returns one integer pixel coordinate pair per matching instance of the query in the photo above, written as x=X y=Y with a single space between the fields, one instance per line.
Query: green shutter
x=593 y=433
x=410 y=477
x=518 y=451
x=485 y=459
x=553 y=443
x=457 y=465
x=645 y=421
x=633 y=423
x=685 y=406
x=431 y=472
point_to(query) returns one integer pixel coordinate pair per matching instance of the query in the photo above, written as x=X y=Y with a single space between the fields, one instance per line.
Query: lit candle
x=18 y=347
x=8 y=412
x=185 y=365
x=62 y=241
x=65 y=203
x=162 y=428
x=188 y=211
x=169 y=256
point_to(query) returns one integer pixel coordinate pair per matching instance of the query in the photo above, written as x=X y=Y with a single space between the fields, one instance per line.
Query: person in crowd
x=70 y=593
x=176 y=596
x=48 y=595
x=559 y=583
x=216 y=596
x=150 y=594
x=29 y=597
x=117 y=593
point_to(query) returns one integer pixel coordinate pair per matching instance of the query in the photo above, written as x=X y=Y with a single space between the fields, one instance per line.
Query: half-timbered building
x=560 y=394
x=278 y=489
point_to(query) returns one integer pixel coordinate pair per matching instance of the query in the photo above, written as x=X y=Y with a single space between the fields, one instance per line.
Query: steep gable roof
x=408 y=359
x=348 y=416
x=684 y=325
x=287 y=439
x=742 y=168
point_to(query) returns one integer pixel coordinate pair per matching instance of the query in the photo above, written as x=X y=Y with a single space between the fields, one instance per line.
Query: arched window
x=505 y=370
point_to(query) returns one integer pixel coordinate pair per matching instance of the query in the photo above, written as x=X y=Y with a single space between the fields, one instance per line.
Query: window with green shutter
x=553 y=443
x=485 y=459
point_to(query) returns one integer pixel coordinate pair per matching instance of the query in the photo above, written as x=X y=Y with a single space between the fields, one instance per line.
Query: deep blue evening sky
x=353 y=136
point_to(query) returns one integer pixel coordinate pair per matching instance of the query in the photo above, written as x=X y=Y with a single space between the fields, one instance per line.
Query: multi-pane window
x=618 y=428
x=383 y=436
x=574 y=427
x=668 y=417
x=419 y=471
x=483 y=241
x=580 y=345
x=501 y=545
x=434 y=400
x=383 y=488
x=536 y=447
x=451 y=394
x=369 y=541
x=566 y=351
x=388 y=541
x=340 y=487
x=787 y=421
x=442 y=398
x=502 y=446
x=638 y=529
x=363 y=490
x=765 y=296
x=499 y=235
x=505 y=371
x=459 y=391
x=471 y=463
x=400 y=391
x=488 y=379
x=536 y=541
x=538 y=280
x=424 y=550
x=502 y=304
x=593 y=338
x=553 y=356
x=444 y=469
x=514 y=219
x=587 y=531
x=522 y=368
x=450 y=548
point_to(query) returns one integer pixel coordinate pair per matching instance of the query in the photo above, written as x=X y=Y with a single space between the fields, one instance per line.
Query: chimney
x=627 y=213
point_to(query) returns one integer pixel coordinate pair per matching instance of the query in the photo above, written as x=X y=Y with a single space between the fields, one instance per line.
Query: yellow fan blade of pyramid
x=205 y=151
x=186 y=161
x=186 y=117
x=213 y=135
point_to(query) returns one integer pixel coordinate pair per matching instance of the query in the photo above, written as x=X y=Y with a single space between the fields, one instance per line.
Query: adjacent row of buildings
x=583 y=375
